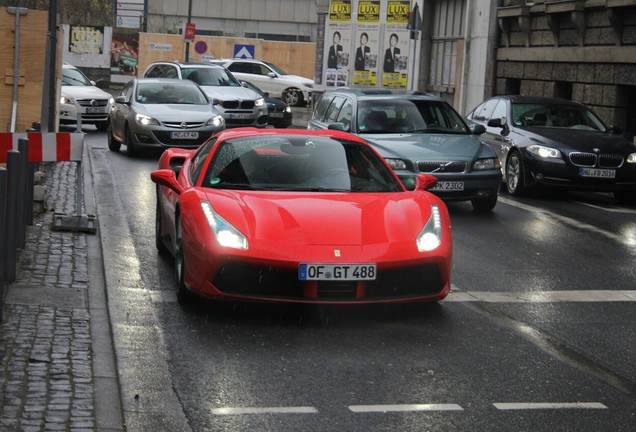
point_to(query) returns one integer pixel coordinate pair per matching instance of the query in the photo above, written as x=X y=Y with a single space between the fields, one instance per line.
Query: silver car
x=161 y=113
x=239 y=106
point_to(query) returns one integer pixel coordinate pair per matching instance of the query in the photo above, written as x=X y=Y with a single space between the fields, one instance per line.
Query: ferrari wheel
x=183 y=295
x=161 y=247
x=515 y=175
x=113 y=144
x=130 y=146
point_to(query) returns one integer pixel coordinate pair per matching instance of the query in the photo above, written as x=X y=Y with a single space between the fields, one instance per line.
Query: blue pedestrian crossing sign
x=243 y=51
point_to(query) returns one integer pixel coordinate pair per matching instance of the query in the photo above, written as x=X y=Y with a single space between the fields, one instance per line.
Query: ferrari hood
x=425 y=146
x=324 y=218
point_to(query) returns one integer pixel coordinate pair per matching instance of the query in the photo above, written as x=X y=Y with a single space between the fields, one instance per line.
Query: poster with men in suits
x=395 y=60
x=368 y=43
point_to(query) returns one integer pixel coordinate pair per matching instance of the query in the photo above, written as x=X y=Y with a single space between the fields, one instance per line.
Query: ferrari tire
x=113 y=144
x=515 y=176
x=483 y=205
x=131 y=150
x=293 y=97
x=182 y=293
x=161 y=247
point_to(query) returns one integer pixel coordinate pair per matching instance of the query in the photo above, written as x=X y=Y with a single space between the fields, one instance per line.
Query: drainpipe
x=16 y=57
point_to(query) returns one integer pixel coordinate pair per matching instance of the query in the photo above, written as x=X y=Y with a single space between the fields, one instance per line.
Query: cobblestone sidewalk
x=46 y=352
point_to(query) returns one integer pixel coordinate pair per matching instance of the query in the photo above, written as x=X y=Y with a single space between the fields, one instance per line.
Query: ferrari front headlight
x=431 y=235
x=225 y=233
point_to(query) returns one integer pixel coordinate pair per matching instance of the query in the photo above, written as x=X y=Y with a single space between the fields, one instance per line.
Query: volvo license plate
x=448 y=186
x=336 y=272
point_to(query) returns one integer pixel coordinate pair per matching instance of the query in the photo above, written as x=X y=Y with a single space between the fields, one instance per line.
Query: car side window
x=321 y=107
x=198 y=160
x=127 y=90
x=334 y=109
x=499 y=111
x=345 y=114
x=484 y=111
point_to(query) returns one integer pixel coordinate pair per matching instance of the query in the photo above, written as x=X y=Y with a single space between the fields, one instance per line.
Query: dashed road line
x=403 y=408
x=264 y=410
x=508 y=406
x=457 y=295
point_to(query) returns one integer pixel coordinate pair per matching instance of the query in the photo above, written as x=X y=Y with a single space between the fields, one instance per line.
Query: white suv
x=81 y=96
x=293 y=89
x=239 y=106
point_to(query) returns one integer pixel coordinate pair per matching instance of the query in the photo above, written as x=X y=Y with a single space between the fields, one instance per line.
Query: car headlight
x=111 y=101
x=260 y=102
x=288 y=109
x=216 y=121
x=145 y=120
x=631 y=158
x=486 y=164
x=396 y=164
x=431 y=235
x=66 y=100
x=544 y=152
x=225 y=233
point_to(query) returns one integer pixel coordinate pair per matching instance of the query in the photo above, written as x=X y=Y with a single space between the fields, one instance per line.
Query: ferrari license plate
x=184 y=135
x=596 y=172
x=448 y=186
x=336 y=272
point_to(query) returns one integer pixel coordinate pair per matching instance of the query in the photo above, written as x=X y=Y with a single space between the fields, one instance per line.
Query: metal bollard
x=23 y=149
x=3 y=234
x=28 y=175
x=12 y=205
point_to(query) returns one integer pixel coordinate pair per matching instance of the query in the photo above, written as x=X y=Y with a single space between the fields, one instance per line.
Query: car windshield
x=173 y=93
x=556 y=116
x=298 y=163
x=74 y=77
x=211 y=77
x=408 y=116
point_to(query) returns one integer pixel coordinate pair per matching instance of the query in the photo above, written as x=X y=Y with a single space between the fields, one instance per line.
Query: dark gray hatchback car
x=417 y=133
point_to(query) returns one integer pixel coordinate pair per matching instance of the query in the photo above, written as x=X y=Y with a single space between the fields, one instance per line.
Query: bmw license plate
x=596 y=172
x=448 y=186
x=184 y=135
x=336 y=272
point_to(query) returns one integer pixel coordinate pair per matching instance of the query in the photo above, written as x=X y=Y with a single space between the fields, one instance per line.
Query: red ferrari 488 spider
x=299 y=216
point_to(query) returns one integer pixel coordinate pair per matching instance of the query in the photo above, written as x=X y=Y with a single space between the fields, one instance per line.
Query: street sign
x=243 y=51
x=127 y=21
x=190 y=32
x=201 y=47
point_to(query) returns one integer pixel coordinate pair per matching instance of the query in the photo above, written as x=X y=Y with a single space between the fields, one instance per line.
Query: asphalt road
x=538 y=335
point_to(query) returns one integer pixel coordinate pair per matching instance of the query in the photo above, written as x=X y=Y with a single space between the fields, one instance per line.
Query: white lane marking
x=569 y=221
x=608 y=209
x=457 y=295
x=548 y=405
x=403 y=408
x=264 y=410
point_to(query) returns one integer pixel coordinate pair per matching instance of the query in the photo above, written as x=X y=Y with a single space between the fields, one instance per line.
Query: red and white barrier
x=45 y=147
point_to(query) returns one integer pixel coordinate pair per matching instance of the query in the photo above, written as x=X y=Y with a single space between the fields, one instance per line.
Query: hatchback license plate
x=336 y=272
x=596 y=172
x=275 y=114
x=98 y=110
x=448 y=186
x=184 y=135
x=240 y=116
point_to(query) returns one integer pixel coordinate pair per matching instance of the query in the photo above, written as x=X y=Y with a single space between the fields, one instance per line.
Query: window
x=322 y=106
x=334 y=109
x=448 y=30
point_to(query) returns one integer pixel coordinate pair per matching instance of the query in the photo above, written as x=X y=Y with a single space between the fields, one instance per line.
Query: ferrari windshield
x=408 y=116
x=556 y=116
x=298 y=163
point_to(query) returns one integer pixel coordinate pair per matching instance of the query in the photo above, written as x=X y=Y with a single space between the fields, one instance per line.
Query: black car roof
x=538 y=99
x=371 y=93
